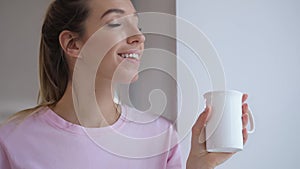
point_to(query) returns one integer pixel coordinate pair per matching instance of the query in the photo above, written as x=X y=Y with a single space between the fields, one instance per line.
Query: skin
x=199 y=158
x=72 y=44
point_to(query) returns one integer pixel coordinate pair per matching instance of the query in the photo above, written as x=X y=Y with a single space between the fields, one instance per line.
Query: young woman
x=52 y=136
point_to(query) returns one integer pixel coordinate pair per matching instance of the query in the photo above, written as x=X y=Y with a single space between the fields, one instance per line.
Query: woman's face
x=118 y=23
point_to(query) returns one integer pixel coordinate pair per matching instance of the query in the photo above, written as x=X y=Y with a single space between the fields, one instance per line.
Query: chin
x=130 y=79
x=125 y=78
x=135 y=78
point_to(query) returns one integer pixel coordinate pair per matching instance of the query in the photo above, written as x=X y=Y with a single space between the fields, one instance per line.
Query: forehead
x=99 y=7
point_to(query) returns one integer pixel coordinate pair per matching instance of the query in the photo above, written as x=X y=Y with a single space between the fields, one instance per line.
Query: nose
x=138 y=38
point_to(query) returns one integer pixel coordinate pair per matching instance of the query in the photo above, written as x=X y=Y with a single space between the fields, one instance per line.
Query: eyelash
x=114 y=25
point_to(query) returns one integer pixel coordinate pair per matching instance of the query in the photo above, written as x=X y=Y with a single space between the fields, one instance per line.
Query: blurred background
x=258 y=42
x=20 y=35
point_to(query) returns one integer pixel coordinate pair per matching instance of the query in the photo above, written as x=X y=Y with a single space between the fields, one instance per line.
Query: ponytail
x=53 y=74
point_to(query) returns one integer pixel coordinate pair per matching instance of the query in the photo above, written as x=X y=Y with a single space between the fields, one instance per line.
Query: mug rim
x=222 y=91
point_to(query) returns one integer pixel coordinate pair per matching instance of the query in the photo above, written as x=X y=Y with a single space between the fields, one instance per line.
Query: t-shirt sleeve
x=4 y=163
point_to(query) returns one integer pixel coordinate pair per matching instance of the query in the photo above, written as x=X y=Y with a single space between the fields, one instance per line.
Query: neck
x=96 y=110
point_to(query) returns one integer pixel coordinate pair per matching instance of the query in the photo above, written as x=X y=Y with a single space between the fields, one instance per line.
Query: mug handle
x=252 y=122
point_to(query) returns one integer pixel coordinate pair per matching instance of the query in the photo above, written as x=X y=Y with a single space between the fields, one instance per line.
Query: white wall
x=20 y=34
x=258 y=44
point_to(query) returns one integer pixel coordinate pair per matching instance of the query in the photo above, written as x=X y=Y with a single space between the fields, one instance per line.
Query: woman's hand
x=199 y=158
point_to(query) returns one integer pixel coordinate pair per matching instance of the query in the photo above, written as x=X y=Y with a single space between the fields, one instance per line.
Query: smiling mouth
x=135 y=56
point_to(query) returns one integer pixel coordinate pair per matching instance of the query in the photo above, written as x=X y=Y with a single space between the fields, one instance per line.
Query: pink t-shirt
x=46 y=141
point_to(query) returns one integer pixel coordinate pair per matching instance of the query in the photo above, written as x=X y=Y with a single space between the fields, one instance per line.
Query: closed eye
x=113 y=25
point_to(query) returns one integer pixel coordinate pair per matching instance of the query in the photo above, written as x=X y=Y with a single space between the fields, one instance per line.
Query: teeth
x=131 y=55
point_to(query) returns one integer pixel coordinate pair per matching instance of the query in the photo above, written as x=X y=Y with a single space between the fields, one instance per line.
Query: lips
x=131 y=55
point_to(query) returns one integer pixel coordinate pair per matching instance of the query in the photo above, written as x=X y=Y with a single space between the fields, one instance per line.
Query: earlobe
x=69 y=42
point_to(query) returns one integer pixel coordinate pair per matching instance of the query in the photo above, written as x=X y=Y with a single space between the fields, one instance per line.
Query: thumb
x=198 y=131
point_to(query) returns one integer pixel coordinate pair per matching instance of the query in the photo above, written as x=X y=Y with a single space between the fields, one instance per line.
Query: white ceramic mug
x=224 y=127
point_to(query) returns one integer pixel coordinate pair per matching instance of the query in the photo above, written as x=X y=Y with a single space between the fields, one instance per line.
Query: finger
x=201 y=121
x=245 y=108
x=245 y=119
x=198 y=132
x=244 y=98
x=245 y=136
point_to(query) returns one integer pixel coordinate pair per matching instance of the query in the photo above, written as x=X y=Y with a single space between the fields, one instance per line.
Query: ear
x=70 y=43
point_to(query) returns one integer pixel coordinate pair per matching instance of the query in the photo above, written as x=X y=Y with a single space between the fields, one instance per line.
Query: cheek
x=109 y=64
x=119 y=70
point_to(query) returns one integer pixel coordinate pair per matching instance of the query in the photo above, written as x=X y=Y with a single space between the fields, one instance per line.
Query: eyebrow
x=115 y=10
x=119 y=11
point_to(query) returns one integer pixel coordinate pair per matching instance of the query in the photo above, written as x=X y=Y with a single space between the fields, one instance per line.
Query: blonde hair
x=53 y=67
